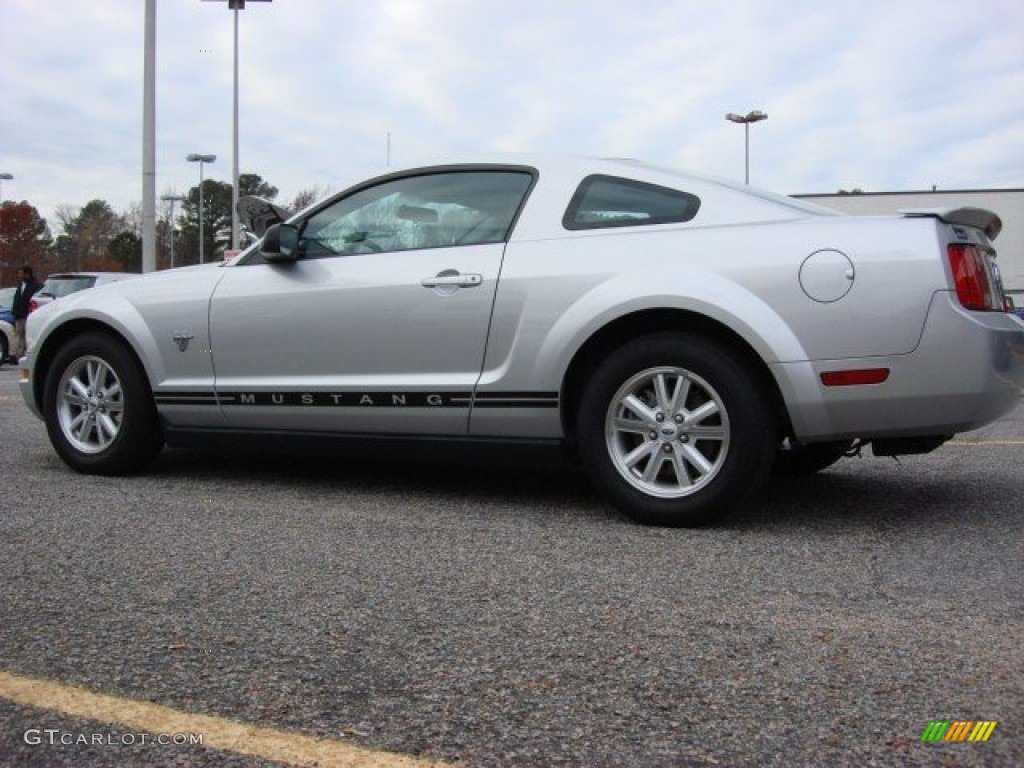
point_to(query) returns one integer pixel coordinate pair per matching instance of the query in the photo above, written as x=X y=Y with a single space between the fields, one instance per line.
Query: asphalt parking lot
x=487 y=617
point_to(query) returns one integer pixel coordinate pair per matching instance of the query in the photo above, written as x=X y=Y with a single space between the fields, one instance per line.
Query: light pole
x=194 y=158
x=149 y=141
x=4 y=177
x=751 y=117
x=236 y=6
x=172 y=199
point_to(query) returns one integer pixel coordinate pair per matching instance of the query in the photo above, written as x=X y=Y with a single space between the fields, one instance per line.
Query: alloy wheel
x=90 y=404
x=667 y=432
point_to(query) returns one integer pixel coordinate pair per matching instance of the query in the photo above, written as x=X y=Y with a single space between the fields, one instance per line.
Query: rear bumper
x=966 y=371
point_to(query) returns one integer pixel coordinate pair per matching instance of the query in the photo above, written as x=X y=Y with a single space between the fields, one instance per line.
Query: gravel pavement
x=507 y=617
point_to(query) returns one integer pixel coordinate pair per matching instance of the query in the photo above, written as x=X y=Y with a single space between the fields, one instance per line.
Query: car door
x=380 y=324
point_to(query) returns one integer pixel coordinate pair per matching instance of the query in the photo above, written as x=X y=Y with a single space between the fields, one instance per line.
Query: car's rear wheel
x=99 y=411
x=676 y=429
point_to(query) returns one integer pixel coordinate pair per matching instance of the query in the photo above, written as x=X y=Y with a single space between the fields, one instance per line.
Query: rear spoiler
x=980 y=218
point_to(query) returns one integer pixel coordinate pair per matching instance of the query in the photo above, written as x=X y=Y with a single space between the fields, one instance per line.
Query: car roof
x=578 y=166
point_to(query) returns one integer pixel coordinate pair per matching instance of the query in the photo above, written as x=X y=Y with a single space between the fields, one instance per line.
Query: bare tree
x=308 y=196
x=131 y=218
x=67 y=215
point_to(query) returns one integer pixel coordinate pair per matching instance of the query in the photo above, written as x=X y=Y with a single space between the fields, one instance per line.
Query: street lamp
x=172 y=199
x=4 y=177
x=194 y=158
x=751 y=117
x=236 y=6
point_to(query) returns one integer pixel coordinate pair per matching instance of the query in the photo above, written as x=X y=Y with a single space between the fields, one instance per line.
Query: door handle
x=453 y=279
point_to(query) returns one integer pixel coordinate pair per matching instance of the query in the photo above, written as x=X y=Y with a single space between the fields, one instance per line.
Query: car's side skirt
x=487 y=450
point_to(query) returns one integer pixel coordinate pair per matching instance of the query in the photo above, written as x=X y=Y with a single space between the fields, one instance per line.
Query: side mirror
x=280 y=244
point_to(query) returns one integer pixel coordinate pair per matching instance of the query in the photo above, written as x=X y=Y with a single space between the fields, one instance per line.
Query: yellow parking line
x=985 y=442
x=218 y=732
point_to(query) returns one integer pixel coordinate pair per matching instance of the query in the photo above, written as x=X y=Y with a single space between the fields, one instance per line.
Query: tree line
x=96 y=238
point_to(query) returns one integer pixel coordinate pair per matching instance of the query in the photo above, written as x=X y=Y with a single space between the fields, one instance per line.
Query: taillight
x=33 y=305
x=973 y=288
x=856 y=377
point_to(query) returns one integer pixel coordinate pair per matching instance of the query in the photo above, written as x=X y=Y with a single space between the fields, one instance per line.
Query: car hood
x=180 y=278
x=117 y=300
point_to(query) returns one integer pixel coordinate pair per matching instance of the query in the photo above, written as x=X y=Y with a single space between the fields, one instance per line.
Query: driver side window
x=436 y=210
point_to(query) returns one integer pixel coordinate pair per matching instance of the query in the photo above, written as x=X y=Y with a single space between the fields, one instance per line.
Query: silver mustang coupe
x=682 y=336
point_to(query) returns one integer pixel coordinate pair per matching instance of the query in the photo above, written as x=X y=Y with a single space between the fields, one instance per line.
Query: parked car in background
x=1017 y=297
x=60 y=284
x=6 y=322
x=6 y=336
x=680 y=335
x=6 y=303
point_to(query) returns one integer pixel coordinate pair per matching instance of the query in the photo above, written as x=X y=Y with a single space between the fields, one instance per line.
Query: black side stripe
x=185 y=398
x=516 y=400
x=351 y=399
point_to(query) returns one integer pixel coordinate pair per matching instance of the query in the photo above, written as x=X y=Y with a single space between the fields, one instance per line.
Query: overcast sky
x=885 y=96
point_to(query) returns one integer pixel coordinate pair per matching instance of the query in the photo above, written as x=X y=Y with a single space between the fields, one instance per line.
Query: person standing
x=26 y=289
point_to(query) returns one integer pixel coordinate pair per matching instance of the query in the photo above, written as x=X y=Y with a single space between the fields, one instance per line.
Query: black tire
x=4 y=351
x=98 y=408
x=711 y=448
x=804 y=460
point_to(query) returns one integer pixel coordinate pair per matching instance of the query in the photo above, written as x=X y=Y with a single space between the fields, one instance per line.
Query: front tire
x=676 y=430
x=98 y=408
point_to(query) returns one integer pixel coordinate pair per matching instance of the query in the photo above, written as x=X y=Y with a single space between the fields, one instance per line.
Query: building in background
x=1007 y=203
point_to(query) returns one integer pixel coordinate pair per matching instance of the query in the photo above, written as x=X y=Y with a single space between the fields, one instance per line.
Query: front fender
x=146 y=312
x=120 y=316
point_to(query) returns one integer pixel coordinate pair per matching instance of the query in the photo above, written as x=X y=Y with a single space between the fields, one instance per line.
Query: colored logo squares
x=958 y=730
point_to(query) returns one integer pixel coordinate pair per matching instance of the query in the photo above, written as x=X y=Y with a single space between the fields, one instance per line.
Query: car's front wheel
x=676 y=430
x=99 y=411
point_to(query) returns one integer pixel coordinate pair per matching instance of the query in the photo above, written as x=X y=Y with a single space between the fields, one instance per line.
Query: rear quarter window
x=609 y=201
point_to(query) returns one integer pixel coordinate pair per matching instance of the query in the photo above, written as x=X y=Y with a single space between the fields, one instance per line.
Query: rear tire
x=98 y=408
x=676 y=430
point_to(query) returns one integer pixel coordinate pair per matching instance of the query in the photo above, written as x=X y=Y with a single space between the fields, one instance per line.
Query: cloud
x=870 y=94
